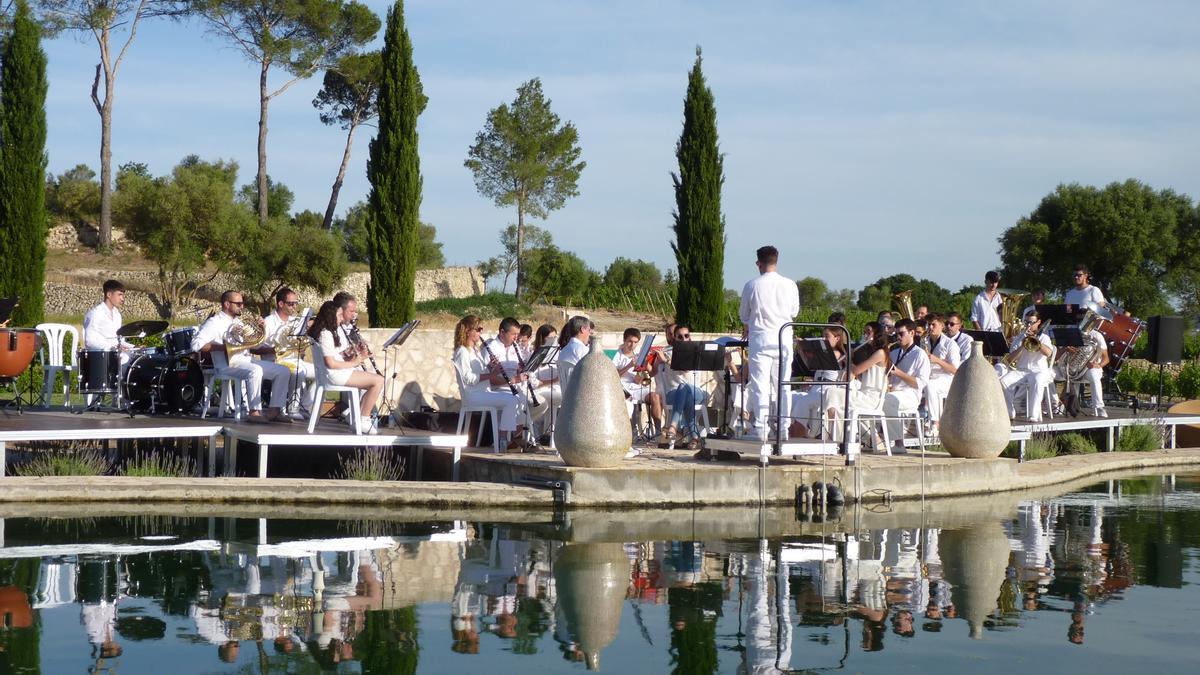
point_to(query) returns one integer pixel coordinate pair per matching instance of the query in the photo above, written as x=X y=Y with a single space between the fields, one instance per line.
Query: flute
x=494 y=363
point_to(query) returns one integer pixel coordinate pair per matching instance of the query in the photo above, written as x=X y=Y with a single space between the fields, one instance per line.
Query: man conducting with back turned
x=768 y=302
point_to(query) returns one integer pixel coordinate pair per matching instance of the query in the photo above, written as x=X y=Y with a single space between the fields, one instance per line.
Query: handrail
x=786 y=381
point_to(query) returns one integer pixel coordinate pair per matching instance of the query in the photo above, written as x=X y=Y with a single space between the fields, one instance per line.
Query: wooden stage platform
x=35 y=424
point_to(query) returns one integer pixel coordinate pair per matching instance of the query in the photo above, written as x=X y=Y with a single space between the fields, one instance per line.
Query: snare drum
x=18 y=346
x=161 y=383
x=179 y=341
x=98 y=371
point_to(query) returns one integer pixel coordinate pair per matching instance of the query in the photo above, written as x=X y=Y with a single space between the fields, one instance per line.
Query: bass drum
x=1120 y=332
x=163 y=384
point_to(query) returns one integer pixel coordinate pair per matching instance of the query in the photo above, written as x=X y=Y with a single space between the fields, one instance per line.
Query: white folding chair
x=53 y=362
x=324 y=385
x=465 y=412
x=229 y=380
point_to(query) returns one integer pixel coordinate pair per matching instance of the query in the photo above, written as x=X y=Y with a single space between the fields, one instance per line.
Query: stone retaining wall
x=74 y=293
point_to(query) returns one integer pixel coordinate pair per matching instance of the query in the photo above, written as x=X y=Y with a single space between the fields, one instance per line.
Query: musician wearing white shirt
x=1037 y=297
x=573 y=346
x=769 y=301
x=211 y=338
x=908 y=378
x=1095 y=372
x=101 y=323
x=1033 y=371
x=1084 y=295
x=286 y=302
x=985 y=311
x=503 y=349
x=475 y=377
x=954 y=331
x=944 y=360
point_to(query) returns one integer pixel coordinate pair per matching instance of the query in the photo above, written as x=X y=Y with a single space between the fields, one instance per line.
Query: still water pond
x=1099 y=580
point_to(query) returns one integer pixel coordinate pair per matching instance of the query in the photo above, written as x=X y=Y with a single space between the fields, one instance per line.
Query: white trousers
x=935 y=391
x=807 y=409
x=765 y=357
x=256 y=372
x=503 y=401
x=893 y=403
x=1031 y=385
x=1092 y=376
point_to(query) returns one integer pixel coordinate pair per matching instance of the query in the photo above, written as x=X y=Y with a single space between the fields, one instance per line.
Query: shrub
x=1188 y=383
x=72 y=462
x=371 y=464
x=1039 y=446
x=155 y=465
x=486 y=306
x=1073 y=444
x=1141 y=438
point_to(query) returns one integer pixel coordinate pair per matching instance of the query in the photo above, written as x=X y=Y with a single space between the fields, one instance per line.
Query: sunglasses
x=293 y=303
x=239 y=303
x=477 y=329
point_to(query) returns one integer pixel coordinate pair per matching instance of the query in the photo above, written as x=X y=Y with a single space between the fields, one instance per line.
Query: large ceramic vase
x=974 y=560
x=591 y=581
x=975 y=420
x=592 y=428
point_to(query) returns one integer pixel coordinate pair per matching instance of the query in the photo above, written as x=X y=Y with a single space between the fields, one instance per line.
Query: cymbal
x=142 y=328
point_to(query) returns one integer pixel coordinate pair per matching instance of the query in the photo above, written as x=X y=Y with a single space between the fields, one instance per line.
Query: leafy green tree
x=348 y=98
x=279 y=198
x=307 y=218
x=394 y=171
x=557 y=275
x=813 y=292
x=525 y=157
x=73 y=195
x=184 y=222
x=299 y=36
x=104 y=20
x=1141 y=245
x=879 y=296
x=699 y=225
x=511 y=242
x=626 y=273
x=353 y=230
x=23 y=167
x=297 y=253
x=429 y=249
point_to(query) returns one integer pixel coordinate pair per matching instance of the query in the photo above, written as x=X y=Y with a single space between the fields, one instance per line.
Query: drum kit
x=166 y=379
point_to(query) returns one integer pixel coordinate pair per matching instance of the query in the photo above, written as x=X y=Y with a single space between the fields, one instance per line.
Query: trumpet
x=1029 y=343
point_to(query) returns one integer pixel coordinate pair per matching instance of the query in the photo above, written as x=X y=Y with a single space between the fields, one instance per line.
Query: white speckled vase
x=591 y=580
x=974 y=560
x=975 y=422
x=592 y=428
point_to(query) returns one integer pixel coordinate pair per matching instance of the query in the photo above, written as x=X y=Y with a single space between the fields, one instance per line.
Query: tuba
x=243 y=335
x=1011 y=322
x=902 y=301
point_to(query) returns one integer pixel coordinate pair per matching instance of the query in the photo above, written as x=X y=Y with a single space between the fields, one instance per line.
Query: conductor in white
x=211 y=338
x=769 y=301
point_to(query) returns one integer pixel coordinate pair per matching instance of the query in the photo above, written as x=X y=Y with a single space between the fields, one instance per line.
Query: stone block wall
x=79 y=291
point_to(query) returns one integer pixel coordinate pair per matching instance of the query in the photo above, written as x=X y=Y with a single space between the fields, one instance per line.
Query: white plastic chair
x=862 y=414
x=465 y=412
x=324 y=385
x=229 y=381
x=52 y=359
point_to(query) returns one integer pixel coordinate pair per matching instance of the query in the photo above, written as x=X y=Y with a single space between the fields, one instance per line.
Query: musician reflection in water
x=101 y=323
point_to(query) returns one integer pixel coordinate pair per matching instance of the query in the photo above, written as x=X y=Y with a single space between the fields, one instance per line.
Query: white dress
x=338 y=376
x=872 y=385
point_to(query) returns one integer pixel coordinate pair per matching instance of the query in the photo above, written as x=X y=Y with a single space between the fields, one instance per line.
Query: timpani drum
x=18 y=346
x=98 y=371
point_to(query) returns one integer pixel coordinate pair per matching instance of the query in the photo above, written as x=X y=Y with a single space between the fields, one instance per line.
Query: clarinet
x=495 y=363
x=356 y=337
x=521 y=364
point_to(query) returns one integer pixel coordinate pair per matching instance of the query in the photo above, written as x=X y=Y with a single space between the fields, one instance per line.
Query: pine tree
x=699 y=226
x=23 y=167
x=394 y=171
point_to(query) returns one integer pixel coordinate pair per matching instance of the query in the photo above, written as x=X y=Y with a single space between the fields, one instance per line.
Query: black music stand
x=1061 y=315
x=816 y=354
x=724 y=429
x=703 y=356
x=994 y=344
x=397 y=339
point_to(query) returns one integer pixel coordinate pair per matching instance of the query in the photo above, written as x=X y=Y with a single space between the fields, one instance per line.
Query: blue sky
x=863 y=138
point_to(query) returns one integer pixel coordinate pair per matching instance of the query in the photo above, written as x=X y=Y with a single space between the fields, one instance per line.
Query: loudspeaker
x=1166 y=339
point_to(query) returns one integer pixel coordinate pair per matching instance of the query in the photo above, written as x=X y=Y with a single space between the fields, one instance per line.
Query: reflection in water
x=275 y=597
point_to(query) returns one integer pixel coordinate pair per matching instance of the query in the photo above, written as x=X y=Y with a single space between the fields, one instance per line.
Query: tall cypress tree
x=23 y=167
x=394 y=171
x=699 y=226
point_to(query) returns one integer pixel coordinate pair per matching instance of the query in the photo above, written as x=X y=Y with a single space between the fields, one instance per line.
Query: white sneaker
x=1099 y=412
x=633 y=452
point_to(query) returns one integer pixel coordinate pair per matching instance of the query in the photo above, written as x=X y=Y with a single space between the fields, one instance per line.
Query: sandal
x=669 y=439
